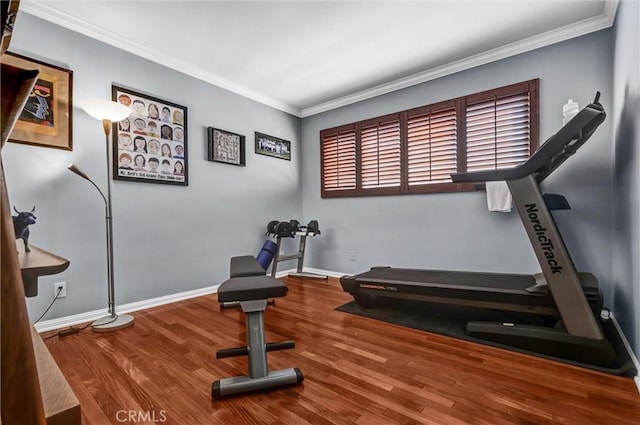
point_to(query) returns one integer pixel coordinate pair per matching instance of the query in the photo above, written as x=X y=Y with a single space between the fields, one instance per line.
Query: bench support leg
x=256 y=345
x=259 y=377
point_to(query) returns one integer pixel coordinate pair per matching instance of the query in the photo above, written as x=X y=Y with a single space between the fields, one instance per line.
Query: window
x=416 y=151
x=380 y=153
x=431 y=145
x=339 y=160
x=498 y=131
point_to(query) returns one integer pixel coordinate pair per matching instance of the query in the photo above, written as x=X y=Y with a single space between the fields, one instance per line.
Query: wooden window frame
x=460 y=104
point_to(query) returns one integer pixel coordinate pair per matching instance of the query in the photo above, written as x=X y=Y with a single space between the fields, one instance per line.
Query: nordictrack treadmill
x=560 y=295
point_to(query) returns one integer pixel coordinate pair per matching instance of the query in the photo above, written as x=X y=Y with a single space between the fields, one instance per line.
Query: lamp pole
x=99 y=108
x=106 y=124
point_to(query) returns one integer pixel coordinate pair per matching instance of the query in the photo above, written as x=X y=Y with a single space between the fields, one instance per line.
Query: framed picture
x=273 y=146
x=46 y=118
x=151 y=144
x=225 y=146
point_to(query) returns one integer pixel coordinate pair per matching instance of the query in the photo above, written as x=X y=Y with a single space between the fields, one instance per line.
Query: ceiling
x=305 y=57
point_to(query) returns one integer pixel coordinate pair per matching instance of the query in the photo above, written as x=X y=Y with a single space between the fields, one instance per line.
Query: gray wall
x=168 y=239
x=626 y=143
x=455 y=230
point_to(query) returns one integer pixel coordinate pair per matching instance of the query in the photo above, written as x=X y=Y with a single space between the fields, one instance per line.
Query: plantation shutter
x=431 y=145
x=415 y=151
x=498 y=132
x=339 y=161
x=380 y=154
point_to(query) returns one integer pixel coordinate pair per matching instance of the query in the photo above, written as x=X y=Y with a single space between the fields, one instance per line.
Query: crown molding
x=596 y=23
x=602 y=21
x=48 y=13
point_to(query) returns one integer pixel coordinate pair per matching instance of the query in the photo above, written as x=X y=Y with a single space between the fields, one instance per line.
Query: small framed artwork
x=46 y=117
x=150 y=145
x=226 y=147
x=273 y=146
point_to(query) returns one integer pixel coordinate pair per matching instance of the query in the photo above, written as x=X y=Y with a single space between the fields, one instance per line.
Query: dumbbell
x=271 y=227
x=313 y=227
x=284 y=229
x=295 y=226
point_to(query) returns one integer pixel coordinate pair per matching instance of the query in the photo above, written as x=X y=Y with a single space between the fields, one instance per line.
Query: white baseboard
x=634 y=359
x=320 y=271
x=90 y=316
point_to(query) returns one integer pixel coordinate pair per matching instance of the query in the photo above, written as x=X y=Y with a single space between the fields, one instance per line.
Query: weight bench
x=252 y=293
x=244 y=266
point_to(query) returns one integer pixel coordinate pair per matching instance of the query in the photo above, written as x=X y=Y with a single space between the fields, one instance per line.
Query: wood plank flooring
x=357 y=371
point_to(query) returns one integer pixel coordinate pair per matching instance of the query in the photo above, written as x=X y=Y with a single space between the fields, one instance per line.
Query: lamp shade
x=79 y=172
x=103 y=109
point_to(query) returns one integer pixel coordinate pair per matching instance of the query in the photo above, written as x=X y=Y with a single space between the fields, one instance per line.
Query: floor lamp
x=109 y=112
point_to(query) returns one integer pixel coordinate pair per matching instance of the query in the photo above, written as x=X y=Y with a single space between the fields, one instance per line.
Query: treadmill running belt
x=500 y=291
x=442 y=279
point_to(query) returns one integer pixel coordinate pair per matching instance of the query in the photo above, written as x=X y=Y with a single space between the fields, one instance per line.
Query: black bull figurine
x=21 y=223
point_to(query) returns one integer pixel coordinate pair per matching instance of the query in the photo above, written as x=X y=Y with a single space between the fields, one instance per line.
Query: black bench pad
x=250 y=288
x=245 y=265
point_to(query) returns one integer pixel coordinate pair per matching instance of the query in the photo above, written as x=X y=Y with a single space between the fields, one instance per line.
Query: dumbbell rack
x=298 y=255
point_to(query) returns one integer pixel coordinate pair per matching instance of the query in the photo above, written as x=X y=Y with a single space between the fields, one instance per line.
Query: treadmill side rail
x=555 y=261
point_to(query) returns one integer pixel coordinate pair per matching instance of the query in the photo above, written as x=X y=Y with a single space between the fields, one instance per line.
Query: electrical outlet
x=352 y=255
x=60 y=290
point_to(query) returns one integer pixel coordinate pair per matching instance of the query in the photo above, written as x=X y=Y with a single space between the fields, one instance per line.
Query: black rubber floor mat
x=450 y=320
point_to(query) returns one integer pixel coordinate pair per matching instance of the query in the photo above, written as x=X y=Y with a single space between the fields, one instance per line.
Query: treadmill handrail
x=551 y=154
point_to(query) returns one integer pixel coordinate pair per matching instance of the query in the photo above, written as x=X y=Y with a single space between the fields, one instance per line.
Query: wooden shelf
x=31 y=379
x=37 y=263
x=60 y=403
x=61 y=407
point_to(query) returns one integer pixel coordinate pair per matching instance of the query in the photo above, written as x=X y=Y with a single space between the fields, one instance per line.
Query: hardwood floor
x=357 y=371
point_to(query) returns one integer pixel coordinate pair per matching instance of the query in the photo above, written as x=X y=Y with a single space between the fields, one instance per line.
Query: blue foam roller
x=266 y=254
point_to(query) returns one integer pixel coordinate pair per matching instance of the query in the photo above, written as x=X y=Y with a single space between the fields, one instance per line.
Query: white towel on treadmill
x=498 y=196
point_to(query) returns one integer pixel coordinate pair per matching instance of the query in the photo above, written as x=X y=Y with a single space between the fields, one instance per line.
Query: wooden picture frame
x=46 y=119
x=226 y=147
x=150 y=146
x=273 y=146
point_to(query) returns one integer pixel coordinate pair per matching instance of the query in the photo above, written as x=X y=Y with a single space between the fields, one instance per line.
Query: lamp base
x=112 y=323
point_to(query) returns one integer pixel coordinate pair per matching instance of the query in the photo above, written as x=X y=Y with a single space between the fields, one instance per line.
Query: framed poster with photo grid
x=150 y=145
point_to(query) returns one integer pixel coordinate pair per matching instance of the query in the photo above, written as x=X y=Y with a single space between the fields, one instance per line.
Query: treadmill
x=570 y=301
